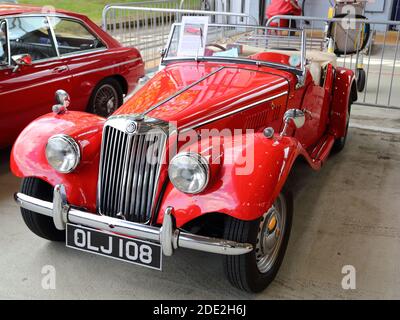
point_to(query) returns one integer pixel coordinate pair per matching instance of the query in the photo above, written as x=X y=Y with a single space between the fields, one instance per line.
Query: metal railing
x=369 y=47
x=147 y=28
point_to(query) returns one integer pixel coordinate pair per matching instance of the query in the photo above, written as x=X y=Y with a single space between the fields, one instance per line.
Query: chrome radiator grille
x=129 y=169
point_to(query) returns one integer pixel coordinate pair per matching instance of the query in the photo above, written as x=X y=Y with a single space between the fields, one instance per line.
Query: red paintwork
x=344 y=90
x=245 y=197
x=29 y=92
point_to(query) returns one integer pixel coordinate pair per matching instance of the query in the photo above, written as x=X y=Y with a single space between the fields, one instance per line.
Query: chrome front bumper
x=168 y=235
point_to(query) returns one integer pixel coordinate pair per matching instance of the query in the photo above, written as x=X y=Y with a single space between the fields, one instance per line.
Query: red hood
x=190 y=93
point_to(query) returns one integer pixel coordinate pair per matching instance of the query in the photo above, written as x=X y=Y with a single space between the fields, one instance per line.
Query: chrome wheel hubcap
x=270 y=235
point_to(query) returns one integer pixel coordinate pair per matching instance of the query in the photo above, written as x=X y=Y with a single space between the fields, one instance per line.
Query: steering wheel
x=39 y=55
x=215 y=45
x=36 y=54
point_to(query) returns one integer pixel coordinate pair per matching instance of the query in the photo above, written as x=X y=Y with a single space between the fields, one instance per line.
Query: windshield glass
x=3 y=43
x=235 y=43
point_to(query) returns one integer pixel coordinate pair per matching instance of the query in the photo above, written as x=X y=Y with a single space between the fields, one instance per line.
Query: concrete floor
x=346 y=214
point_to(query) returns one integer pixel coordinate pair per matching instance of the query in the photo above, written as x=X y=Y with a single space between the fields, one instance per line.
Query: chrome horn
x=294 y=117
x=63 y=101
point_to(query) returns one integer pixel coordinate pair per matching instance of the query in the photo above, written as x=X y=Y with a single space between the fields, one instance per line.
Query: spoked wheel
x=106 y=98
x=269 y=236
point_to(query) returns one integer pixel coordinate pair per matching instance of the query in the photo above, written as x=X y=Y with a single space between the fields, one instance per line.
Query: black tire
x=39 y=224
x=243 y=271
x=107 y=97
x=341 y=142
x=361 y=79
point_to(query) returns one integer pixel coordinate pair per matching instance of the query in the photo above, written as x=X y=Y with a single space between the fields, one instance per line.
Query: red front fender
x=247 y=196
x=28 y=157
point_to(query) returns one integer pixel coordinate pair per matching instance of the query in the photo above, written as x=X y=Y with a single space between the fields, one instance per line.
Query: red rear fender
x=345 y=92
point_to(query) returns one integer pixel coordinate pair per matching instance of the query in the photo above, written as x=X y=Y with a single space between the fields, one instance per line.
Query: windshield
x=3 y=43
x=232 y=43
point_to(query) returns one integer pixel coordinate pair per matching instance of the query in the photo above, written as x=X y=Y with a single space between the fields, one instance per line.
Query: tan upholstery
x=316 y=60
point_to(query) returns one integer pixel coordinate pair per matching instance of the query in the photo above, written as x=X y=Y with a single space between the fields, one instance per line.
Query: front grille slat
x=145 y=189
x=108 y=170
x=129 y=175
x=114 y=177
x=139 y=188
x=127 y=179
x=120 y=162
x=135 y=177
x=152 y=169
x=112 y=169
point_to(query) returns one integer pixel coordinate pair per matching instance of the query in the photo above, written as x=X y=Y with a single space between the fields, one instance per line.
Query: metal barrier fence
x=362 y=46
x=147 y=28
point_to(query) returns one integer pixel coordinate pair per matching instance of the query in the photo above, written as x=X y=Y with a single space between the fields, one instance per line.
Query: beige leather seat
x=316 y=60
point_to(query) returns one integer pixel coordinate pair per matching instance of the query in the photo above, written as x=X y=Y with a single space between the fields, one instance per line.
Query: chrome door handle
x=60 y=69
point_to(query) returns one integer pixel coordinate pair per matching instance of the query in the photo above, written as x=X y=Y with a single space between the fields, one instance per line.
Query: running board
x=322 y=150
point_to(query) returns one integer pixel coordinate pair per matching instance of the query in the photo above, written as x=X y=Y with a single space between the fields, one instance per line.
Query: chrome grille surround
x=128 y=181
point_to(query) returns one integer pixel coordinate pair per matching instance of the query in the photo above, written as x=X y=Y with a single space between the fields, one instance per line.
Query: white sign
x=193 y=36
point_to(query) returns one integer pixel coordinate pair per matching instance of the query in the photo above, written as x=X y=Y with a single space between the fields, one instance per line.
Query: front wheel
x=39 y=224
x=269 y=236
x=106 y=98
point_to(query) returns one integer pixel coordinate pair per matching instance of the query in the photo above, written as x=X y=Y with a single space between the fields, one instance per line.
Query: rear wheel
x=341 y=142
x=269 y=236
x=106 y=98
x=39 y=224
x=361 y=79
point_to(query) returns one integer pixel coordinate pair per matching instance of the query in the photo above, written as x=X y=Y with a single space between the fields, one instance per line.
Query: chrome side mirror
x=21 y=60
x=293 y=117
x=63 y=101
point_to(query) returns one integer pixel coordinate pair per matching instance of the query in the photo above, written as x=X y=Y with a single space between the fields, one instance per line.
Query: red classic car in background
x=154 y=177
x=43 y=52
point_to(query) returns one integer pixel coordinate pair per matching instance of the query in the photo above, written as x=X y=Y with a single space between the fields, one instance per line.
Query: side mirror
x=293 y=117
x=21 y=60
x=63 y=101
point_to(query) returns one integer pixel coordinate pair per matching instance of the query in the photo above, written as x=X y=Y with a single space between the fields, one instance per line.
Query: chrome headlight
x=63 y=153
x=189 y=172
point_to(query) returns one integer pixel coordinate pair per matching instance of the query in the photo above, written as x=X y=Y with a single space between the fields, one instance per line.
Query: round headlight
x=62 y=153
x=189 y=172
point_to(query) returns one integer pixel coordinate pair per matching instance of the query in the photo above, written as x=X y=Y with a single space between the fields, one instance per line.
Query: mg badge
x=131 y=127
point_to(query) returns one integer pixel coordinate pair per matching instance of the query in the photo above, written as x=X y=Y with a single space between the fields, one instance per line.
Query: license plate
x=114 y=246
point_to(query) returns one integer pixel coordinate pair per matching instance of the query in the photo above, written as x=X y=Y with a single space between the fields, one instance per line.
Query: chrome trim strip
x=182 y=91
x=168 y=235
x=53 y=36
x=8 y=63
x=194 y=126
x=35 y=85
x=108 y=67
x=69 y=76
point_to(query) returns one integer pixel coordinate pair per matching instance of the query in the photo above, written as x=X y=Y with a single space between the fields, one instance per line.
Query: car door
x=85 y=54
x=26 y=92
